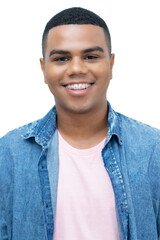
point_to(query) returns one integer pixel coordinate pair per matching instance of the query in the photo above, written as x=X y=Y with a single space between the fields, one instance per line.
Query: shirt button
x=121 y=207
x=111 y=168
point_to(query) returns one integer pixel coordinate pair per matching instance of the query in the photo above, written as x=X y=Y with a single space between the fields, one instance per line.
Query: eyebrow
x=63 y=52
x=97 y=48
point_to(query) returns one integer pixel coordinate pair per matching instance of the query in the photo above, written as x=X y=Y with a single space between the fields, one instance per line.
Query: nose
x=77 y=66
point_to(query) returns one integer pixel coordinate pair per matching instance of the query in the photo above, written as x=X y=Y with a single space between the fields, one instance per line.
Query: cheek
x=54 y=71
x=52 y=76
x=104 y=76
x=104 y=80
x=102 y=70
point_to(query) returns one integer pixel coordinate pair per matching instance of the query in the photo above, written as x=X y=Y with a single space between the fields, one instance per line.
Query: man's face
x=77 y=67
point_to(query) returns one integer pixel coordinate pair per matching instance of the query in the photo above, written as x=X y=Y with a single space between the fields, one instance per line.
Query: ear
x=42 y=63
x=112 y=57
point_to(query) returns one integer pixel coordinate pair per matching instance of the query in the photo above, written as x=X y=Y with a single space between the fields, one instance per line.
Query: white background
x=135 y=32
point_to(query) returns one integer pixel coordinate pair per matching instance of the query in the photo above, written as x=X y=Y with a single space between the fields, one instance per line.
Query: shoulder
x=14 y=144
x=24 y=137
x=15 y=135
x=14 y=149
x=32 y=129
x=142 y=149
x=137 y=130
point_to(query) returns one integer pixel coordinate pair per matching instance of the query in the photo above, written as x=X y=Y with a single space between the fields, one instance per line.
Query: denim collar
x=43 y=129
x=114 y=125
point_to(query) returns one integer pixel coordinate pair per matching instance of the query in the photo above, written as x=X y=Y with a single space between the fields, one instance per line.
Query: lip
x=81 y=82
x=78 y=92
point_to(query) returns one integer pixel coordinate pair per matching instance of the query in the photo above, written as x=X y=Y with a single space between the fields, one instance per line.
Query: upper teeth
x=78 y=86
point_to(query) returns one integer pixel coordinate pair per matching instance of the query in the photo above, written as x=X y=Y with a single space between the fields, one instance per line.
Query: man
x=83 y=171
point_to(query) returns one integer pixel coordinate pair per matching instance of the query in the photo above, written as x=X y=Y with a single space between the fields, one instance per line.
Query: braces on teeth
x=78 y=86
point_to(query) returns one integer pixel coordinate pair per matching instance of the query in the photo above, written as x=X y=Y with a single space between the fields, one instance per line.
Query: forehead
x=75 y=37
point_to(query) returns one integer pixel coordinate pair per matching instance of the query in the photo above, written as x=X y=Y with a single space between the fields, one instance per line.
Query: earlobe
x=42 y=64
x=43 y=68
x=112 y=62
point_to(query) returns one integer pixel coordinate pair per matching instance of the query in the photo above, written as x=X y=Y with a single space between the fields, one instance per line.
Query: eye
x=61 y=59
x=91 y=57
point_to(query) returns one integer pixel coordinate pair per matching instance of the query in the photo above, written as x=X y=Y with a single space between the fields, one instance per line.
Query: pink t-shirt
x=85 y=201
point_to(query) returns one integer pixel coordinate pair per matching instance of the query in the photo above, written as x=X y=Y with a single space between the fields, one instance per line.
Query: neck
x=83 y=130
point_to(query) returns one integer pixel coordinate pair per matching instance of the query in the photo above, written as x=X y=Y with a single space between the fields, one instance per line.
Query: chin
x=78 y=108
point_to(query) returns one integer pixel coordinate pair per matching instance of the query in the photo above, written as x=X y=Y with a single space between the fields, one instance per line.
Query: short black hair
x=75 y=15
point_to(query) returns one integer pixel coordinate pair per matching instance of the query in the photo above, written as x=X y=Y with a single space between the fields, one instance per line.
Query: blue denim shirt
x=29 y=177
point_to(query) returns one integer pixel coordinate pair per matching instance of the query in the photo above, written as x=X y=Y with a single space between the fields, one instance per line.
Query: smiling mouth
x=78 y=86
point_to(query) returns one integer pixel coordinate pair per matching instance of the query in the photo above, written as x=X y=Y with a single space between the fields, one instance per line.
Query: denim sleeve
x=3 y=225
x=158 y=224
x=3 y=191
x=158 y=219
x=154 y=175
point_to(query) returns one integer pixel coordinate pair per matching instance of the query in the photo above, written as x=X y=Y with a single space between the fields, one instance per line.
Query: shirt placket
x=46 y=194
x=110 y=164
